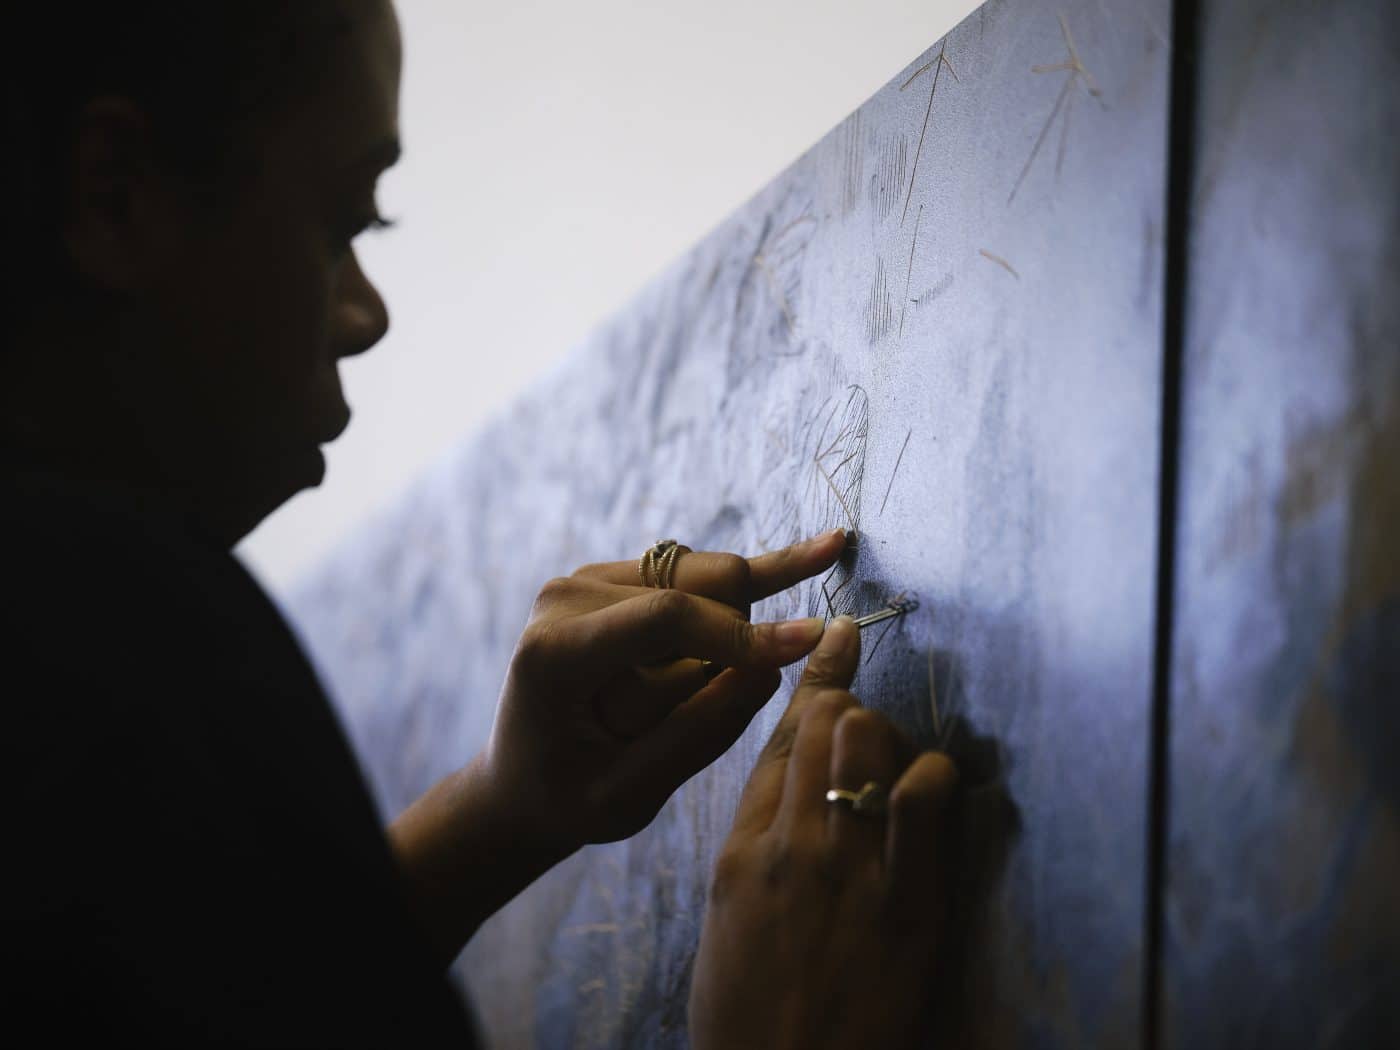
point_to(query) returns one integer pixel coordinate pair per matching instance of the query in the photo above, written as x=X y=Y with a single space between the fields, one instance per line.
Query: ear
x=123 y=217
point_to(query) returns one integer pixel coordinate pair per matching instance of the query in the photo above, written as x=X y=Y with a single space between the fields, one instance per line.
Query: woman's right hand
x=822 y=926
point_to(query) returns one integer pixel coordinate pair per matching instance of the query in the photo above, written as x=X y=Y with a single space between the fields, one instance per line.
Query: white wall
x=556 y=155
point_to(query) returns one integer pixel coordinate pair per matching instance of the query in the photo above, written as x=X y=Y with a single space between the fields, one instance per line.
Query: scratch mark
x=929 y=65
x=879 y=314
x=891 y=167
x=761 y=262
x=1040 y=139
x=838 y=463
x=842 y=499
x=918 y=73
x=1074 y=66
x=937 y=66
x=770 y=255
x=895 y=601
x=999 y=261
x=898 y=460
x=909 y=271
x=880 y=639
x=934 y=291
x=854 y=174
x=790 y=227
x=831 y=596
x=1064 y=133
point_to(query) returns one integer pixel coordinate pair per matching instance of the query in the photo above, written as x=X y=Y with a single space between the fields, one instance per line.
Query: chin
x=340 y=423
x=317 y=466
x=304 y=469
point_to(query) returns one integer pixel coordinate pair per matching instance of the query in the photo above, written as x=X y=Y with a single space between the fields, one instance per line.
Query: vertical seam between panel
x=1181 y=134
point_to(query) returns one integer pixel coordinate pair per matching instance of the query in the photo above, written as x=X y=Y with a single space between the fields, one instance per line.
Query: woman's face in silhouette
x=275 y=290
x=231 y=315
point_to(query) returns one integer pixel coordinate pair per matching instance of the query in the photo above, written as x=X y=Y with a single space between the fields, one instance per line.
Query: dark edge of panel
x=1181 y=134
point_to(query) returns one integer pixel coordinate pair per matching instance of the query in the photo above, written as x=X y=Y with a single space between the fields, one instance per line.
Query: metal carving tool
x=898 y=606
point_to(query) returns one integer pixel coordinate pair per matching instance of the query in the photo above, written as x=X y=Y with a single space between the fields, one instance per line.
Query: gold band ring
x=870 y=801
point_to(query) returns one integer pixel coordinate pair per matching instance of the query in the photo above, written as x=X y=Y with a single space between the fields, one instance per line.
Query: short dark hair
x=202 y=70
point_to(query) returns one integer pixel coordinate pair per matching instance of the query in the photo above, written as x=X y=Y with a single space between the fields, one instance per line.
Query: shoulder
x=125 y=631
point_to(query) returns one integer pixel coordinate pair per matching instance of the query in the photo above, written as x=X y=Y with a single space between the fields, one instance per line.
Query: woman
x=194 y=856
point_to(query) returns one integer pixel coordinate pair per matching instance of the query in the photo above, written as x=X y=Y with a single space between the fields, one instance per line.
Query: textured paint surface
x=1283 y=906
x=941 y=326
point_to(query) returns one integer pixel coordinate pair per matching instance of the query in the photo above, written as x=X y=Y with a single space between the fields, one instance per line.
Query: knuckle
x=824 y=665
x=734 y=571
x=828 y=705
x=534 y=646
x=666 y=606
x=553 y=592
x=742 y=635
x=861 y=723
x=820 y=666
x=732 y=870
x=909 y=803
x=789 y=859
x=923 y=787
x=780 y=743
x=941 y=768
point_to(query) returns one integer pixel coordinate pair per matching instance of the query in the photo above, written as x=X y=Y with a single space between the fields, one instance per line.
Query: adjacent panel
x=941 y=326
x=1283 y=909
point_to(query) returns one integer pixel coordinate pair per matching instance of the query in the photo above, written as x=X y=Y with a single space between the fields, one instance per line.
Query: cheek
x=251 y=366
x=279 y=361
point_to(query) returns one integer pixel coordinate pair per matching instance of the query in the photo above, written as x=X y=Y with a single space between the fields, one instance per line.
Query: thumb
x=833 y=663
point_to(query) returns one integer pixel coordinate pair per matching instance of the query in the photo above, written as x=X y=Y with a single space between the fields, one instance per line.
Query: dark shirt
x=192 y=856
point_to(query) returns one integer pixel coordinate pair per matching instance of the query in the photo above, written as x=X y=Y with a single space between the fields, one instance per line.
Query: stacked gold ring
x=658 y=569
x=658 y=565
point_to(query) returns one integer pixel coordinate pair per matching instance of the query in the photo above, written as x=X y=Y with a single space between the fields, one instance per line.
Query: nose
x=361 y=318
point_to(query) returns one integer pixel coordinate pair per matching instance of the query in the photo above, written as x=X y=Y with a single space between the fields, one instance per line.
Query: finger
x=831 y=665
x=805 y=728
x=710 y=574
x=566 y=596
x=569 y=596
x=697 y=732
x=779 y=570
x=722 y=577
x=640 y=697
x=732 y=579
x=865 y=748
x=918 y=805
x=658 y=626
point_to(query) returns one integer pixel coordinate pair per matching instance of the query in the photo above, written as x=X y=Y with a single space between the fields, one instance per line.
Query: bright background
x=556 y=156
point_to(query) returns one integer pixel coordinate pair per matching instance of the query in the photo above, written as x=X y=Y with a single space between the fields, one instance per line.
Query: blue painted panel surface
x=1283 y=888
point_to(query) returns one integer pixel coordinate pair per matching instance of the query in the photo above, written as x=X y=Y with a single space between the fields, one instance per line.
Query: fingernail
x=798 y=633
